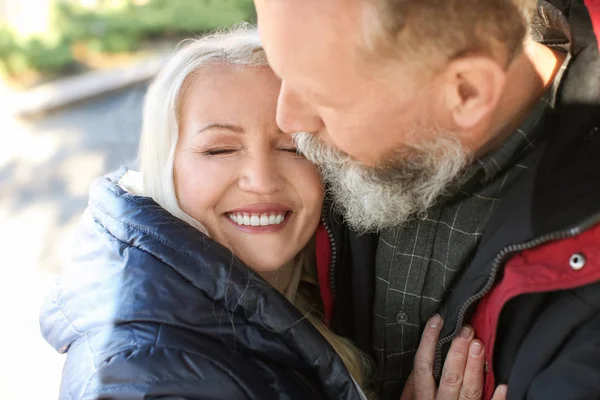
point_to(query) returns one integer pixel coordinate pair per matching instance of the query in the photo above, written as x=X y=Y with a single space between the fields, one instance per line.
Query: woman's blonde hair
x=239 y=46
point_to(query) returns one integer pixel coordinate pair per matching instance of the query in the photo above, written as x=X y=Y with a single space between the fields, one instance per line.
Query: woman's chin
x=267 y=255
x=266 y=267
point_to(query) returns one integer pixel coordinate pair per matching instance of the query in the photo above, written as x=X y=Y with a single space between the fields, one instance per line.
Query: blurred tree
x=115 y=26
x=7 y=48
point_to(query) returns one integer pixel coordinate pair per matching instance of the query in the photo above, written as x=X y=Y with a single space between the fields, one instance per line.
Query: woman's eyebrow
x=233 y=128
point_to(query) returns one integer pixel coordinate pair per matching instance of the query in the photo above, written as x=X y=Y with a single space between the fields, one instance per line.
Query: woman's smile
x=260 y=218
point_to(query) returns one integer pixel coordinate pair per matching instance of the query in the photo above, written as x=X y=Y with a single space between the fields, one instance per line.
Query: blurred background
x=73 y=74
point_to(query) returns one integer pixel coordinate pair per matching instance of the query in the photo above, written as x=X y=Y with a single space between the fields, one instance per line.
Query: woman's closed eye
x=291 y=149
x=224 y=151
x=219 y=151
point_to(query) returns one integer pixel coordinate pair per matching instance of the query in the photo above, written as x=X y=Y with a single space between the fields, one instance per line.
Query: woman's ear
x=473 y=86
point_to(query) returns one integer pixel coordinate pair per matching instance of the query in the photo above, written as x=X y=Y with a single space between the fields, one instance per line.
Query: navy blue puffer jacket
x=150 y=308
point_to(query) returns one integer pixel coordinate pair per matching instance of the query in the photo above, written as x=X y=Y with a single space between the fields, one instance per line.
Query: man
x=466 y=133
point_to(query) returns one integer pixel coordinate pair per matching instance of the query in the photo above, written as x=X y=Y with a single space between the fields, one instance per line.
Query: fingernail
x=502 y=390
x=465 y=332
x=476 y=348
x=435 y=321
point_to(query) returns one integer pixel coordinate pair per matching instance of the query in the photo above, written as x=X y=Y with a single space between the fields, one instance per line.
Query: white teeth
x=265 y=219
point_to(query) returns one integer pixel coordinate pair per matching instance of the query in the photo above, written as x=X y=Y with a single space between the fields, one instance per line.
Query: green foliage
x=113 y=42
x=17 y=55
x=7 y=48
x=118 y=30
x=7 y=41
x=122 y=29
x=48 y=57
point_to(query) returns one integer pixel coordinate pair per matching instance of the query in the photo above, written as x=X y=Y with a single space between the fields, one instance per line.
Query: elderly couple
x=403 y=202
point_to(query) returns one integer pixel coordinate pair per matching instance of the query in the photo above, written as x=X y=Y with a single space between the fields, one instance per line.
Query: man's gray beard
x=387 y=195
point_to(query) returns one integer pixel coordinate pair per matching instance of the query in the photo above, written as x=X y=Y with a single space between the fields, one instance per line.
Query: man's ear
x=473 y=86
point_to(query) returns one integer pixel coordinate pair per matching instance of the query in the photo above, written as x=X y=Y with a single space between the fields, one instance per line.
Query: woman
x=153 y=308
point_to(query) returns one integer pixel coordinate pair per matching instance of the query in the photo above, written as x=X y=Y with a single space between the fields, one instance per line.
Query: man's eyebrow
x=229 y=127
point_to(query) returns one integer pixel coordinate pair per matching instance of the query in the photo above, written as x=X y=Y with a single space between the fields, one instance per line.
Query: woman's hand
x=462 y=375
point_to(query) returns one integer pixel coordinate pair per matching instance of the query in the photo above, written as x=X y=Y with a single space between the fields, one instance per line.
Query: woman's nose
x=262 y=175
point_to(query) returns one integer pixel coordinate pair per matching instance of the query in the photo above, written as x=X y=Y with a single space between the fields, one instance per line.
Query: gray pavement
x=46 y=166
x=71 y=90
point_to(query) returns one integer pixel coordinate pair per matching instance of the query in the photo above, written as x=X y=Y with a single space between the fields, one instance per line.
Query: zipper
x=500 y=259
x=332 y=269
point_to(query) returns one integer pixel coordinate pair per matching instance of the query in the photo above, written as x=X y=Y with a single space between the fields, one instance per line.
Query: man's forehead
x=340 y=7
x=288 y=20
x=303 y=44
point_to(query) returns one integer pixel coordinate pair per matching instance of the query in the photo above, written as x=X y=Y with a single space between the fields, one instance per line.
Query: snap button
x=402 y=317
x=422 y=215
x=577 y=261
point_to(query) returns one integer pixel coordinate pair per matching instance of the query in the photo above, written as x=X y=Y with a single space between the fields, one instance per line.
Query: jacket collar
x=566 y=190
x=203 y=288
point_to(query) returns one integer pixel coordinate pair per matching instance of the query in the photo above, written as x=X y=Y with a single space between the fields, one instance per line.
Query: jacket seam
x=158 y=331
x=95 y=367
x=62 y=311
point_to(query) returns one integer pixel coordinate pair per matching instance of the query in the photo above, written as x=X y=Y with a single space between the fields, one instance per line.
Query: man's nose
x=294 y=114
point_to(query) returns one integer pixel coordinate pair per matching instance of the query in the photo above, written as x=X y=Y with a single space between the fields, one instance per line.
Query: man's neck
x=527 y=79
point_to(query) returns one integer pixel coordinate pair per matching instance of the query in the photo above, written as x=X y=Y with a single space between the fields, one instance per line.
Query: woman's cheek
x=313 y=178
x=309 y=186
x=200 y=187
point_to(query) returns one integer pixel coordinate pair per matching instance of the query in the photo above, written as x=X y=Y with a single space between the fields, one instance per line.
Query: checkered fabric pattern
x=417 y=263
